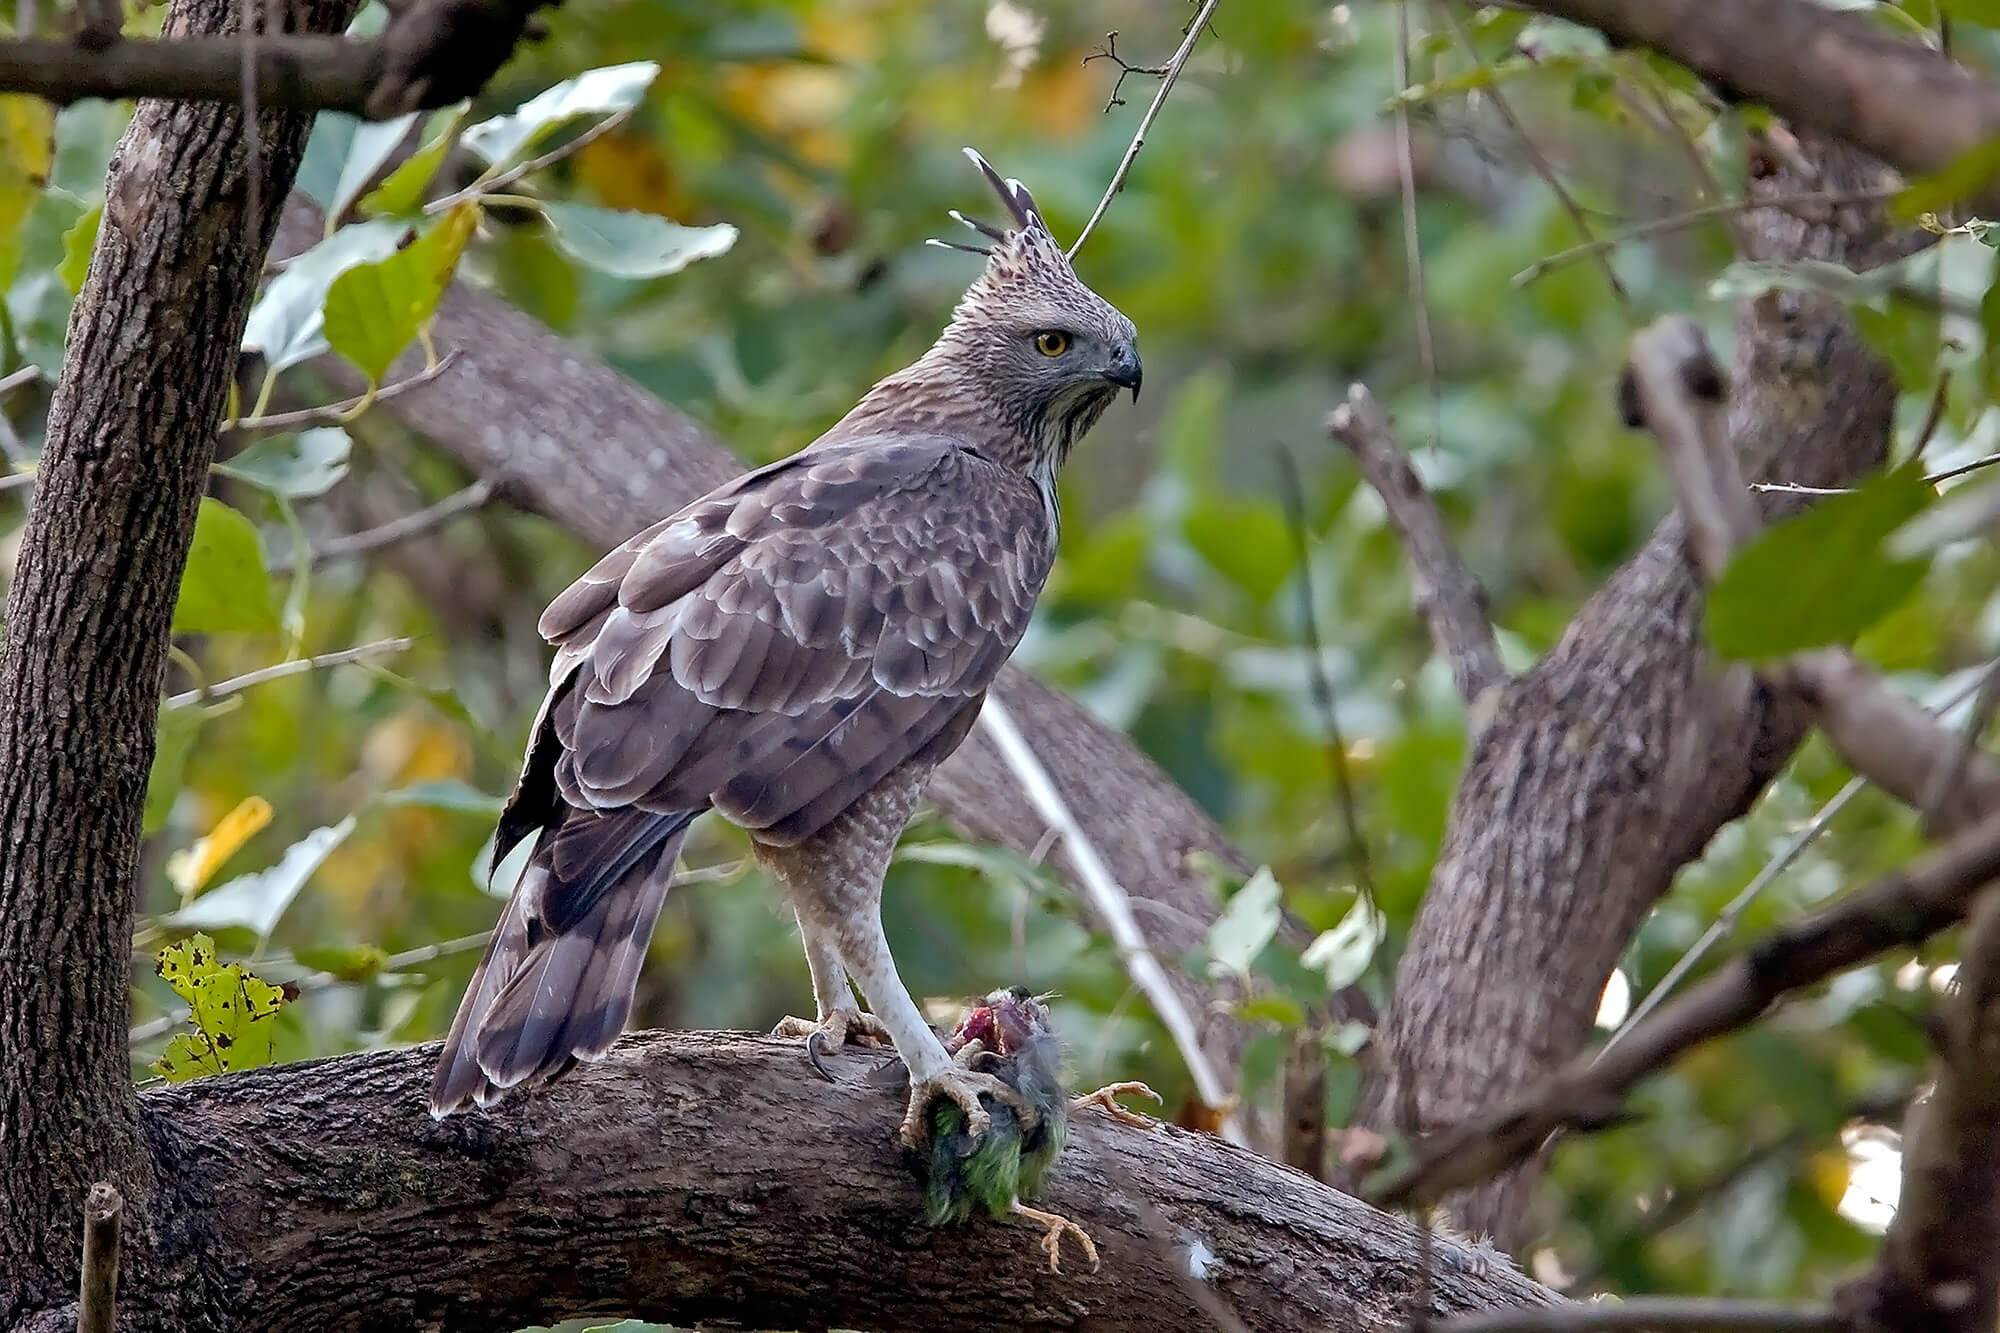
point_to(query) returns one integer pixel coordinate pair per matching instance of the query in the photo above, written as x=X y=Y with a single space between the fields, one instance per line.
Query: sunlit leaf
x=257 y=901
x=1820 y=577
x=1344 y=952
x=297 y=466
x=1246 y=924
x=194 y=865
x=367 y=152
x=633 y=245
x=402 y=191
x=595 y=92
x=374 y=310
x=78 y=242
x=226 y=586
x=27 y=155
x=286 y=323
x=231 y=1010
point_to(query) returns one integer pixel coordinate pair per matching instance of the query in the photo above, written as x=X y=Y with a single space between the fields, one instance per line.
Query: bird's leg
x=1102 y=1099
x=1055 y=1227
x=839 y=1021
x=933 y=1073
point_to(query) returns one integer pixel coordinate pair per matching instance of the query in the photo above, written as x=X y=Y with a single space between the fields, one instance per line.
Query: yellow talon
x=1102 y=1098
x=1055 y=1227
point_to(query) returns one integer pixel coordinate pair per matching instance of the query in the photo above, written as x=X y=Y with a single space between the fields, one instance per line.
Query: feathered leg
x=839 y=1021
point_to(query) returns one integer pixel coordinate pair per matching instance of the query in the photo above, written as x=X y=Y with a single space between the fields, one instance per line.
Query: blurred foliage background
x=330 y=827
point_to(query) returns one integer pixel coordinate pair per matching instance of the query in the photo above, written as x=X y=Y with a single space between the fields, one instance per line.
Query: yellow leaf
x=27 y=152
x=192 y=867
x=1063 y=95
x=1827 y=1173
x=630 y=172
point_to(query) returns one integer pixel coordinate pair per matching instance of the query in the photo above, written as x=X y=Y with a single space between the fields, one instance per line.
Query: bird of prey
x=796 y=650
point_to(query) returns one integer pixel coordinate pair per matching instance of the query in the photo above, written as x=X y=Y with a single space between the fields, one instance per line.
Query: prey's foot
x=1102 y=1098
x=1054 y=1227
x=962 y=1088
x=839 y=1028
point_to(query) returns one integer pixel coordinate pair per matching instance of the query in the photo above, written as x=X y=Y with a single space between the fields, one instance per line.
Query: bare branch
x=428 y=519
x=1167 y=78
x=1673 y=387
x=433 y=53
x=1450 y=598
x=707 y=1150
x=1837 y=72
x=299 y=666
x=1666 y=1314
x=334 y=414
x=97 y=1293
x=1900 y=909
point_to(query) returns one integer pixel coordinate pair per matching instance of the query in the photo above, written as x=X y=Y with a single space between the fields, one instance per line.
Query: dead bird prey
x=797 y=650
x=1009 y=1035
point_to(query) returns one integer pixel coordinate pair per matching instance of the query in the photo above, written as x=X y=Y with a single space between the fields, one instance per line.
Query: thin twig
x=1413 y=247
x=1114 y=906
x=298 y=666
x=1173 y=72
x=425 y=520
x=1449 y=598
x=1692 y=217
x=14 y=379
x=1535 y=157
x=97 y=1290
x=1940 y=398
x=334 y=414
x=1126 y=69
x=533 y=164
x=1683 y=1314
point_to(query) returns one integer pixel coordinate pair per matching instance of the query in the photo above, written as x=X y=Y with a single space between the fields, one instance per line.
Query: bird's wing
x=780 y=646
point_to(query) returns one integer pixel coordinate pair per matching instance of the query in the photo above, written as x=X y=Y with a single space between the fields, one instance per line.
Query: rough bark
x=567 y=436
x=707 y=1177
x=1610 y=764
x=131 y=432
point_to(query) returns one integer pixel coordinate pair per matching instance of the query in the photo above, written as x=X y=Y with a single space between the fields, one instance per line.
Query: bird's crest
x=1010 y=252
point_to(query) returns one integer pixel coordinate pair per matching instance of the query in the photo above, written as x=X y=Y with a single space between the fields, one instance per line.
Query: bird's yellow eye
x=1051 y=342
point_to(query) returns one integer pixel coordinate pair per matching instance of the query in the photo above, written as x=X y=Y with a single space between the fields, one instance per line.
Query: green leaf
x=1906 y=335
x=374 y=310
x=231 y=1010
x=287 y=323
x=403 y=190
x=1247 y=543
x=447 y=794
x=326 y=156
x=354 y=965
x=595 y=92
x=1246 y=924
x=78 y=242
x=370 y=147
x=633 y=245
x=1821 y=577
x=297 y=466
x=1344 y=952
x=1986 y=13
x=226 y=586
x=173 y=742
x=1967 y=174
x=38 y=302
x=257 y=901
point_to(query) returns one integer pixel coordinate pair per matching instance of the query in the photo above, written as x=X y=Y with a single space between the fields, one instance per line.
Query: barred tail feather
x=557 y=981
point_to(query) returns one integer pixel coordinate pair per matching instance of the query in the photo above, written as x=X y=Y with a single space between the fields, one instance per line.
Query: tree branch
x=1835 y=72
x=431 y=54
x=97 y=1290
x=510 y=410
x=1451 y=600
x=1613 y=761
x=1656 y=1314
x=1900 y=909
x=697 y=1177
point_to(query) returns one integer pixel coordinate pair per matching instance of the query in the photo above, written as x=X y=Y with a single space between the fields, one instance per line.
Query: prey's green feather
x=962 y=1175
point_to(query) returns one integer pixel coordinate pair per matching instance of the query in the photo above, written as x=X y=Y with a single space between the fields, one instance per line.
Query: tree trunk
x=152 y=344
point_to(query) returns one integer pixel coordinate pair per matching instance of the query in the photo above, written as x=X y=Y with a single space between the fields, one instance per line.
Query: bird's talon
x=840 y=1027
x=1055 y=1226
x=963 y=1089
x=1102 y=1098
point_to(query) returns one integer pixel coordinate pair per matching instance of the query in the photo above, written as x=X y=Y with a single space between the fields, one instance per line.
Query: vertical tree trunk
x=152 y=343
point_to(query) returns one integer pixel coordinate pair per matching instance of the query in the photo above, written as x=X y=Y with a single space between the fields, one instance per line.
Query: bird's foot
x=840 y=1027
x=1054 y=1227
x=1102 y=1098
x=963 y=1088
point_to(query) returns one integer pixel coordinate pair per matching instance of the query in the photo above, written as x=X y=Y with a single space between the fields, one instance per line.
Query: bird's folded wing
x=780 y=646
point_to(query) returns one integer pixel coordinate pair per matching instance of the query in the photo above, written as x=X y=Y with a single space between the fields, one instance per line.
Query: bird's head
x=1044 y=350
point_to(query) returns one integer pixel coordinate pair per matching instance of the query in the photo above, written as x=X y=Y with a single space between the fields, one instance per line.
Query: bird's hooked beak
x=1125 y=370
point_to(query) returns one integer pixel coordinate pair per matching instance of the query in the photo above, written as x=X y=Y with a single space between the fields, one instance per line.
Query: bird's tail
x=557 y=980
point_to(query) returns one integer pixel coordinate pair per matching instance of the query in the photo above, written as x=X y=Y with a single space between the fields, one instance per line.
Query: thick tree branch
x=1612 y=762
x=558 y=431
x=699 y=1177
x=431 y=54
x=1451 y=600
x=1839 y=73
x=1657 y=1314
x=1904 y=908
